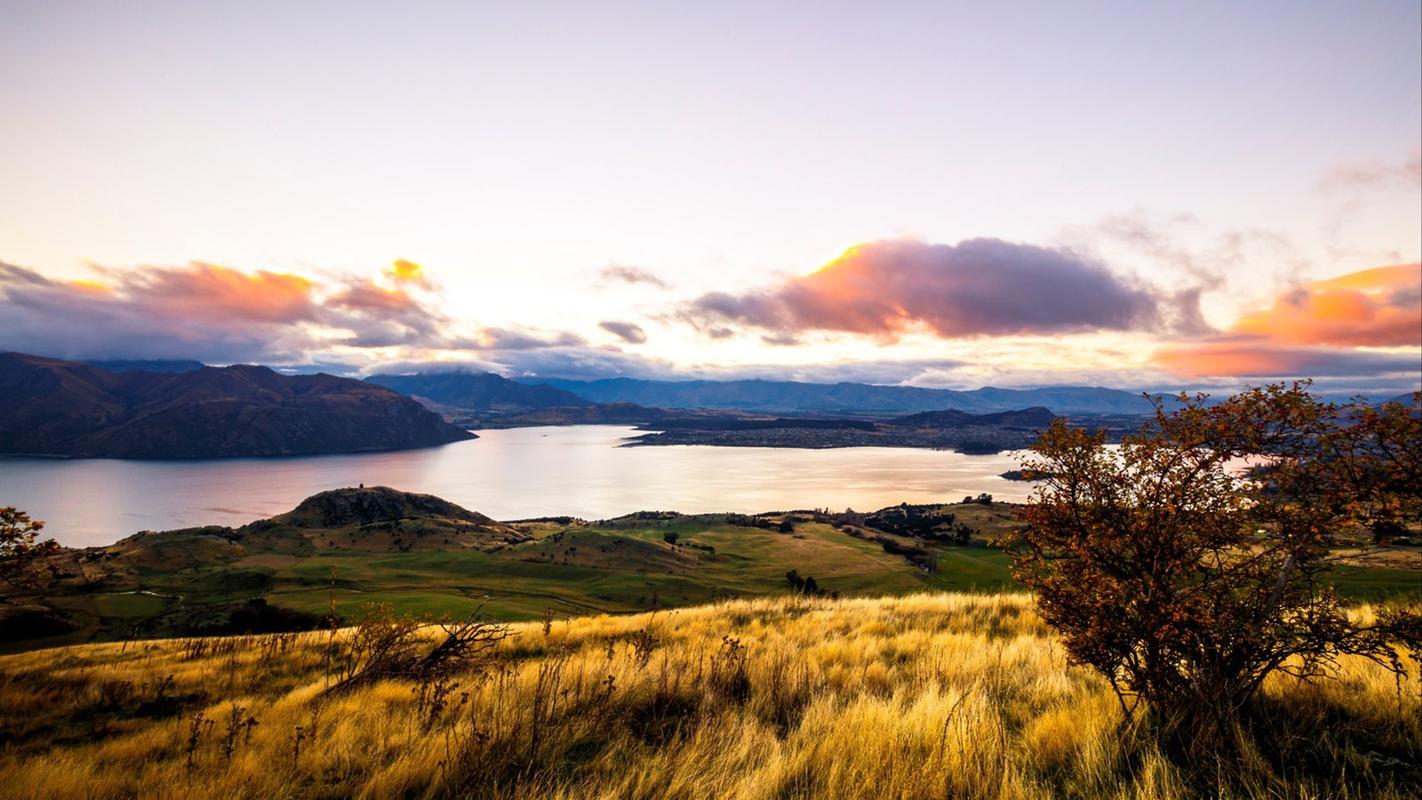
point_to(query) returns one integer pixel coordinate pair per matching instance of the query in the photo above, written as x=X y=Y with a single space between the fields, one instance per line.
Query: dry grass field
x=929 y=695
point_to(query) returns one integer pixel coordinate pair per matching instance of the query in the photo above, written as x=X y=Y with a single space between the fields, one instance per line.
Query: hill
x=925 y=696
x=66 y=408
x=795 y=397
x=1035 y=419
x=477 y=391
x=340 y=508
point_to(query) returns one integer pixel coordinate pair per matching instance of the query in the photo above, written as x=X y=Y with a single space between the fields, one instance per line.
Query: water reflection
x=579 y=471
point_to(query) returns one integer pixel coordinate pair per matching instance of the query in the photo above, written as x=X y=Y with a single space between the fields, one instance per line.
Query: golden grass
x=932 y=695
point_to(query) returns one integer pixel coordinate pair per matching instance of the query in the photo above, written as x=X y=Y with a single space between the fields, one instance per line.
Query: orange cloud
x=979 y=287
x=209 y=290
x=1379 y=307
x=91 y=286
x=1314 y=328
x=1255 y=357
x=403 y=271
x=214 y=313
x=366 y=296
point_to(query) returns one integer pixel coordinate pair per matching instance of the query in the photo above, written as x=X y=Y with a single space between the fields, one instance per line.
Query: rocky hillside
x=65 y=408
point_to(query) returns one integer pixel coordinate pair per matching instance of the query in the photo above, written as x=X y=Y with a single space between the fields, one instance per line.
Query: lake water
x=508 y=474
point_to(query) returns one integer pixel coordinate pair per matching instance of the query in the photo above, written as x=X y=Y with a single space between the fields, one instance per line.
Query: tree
x=1186 y=580
x=21 y=548
x=670 y=537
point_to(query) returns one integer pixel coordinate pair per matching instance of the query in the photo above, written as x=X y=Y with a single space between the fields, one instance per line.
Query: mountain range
x=478 y=391
x=67 y=408
x=146 y=364
x=796 y=397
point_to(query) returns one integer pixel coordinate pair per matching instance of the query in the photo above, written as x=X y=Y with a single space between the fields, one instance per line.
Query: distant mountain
x=587 y=414
x=1035 y=418
x=1406 y=399
x=795 y=397
x=146 y=365
x=66 y=408
x=478 y=391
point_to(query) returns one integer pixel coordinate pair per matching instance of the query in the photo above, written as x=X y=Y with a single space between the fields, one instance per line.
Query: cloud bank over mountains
x=225 y=315
x=910 y=312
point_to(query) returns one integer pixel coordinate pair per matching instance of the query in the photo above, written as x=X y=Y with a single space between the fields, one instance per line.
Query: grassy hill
x=347 y=548
x=921 y=696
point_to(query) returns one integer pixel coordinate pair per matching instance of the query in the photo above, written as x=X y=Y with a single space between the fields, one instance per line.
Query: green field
x=184 y=582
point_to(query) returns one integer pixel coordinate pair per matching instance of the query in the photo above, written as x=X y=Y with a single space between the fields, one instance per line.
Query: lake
x=508 y=474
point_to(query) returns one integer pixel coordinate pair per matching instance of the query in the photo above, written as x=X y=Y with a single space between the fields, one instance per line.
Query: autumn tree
x=21 y=548
x=1189 y=564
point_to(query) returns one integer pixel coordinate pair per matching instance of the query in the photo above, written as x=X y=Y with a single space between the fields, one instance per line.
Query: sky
x=1139 y=195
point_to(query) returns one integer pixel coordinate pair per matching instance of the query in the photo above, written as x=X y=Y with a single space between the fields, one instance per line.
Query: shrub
x=386 y=645
x=1186 y=581
x=21 y=549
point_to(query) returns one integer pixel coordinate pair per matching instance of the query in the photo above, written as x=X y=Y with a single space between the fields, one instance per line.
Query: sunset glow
x=862 y=198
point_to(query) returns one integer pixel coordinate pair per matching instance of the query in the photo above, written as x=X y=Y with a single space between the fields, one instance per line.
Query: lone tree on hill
x=21 y=548
x=1186 y=578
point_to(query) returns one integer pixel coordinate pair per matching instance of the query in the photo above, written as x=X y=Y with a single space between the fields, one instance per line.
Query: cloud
x=1180 y=245
x=620 y=273
x=592 y=363
x=626 y=331
x=200 y=311
x=1259 y=357
x=225 y=315
x=1379 y=307
x=1372 y=174
x=496 y=339
x=1313 y=329
x=576 y=362
x=885 y=372
x=1373 y=186
x=979 y=287
x=403 y=271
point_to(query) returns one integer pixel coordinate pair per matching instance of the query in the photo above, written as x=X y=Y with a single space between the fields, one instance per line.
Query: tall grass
x=933 y=695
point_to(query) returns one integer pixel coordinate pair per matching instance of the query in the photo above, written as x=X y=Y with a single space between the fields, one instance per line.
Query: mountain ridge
x=799 y=397
x=478 y=391
x=54 y=407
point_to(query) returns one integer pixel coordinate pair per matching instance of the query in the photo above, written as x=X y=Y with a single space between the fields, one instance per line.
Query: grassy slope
x=929 y=695
x=595 y=569
x=625 y=566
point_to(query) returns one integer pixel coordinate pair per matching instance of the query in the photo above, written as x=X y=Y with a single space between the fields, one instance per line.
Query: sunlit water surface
x=510 y=474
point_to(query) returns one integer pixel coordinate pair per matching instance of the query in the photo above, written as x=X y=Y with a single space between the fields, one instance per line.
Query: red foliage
x=1185 y=576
